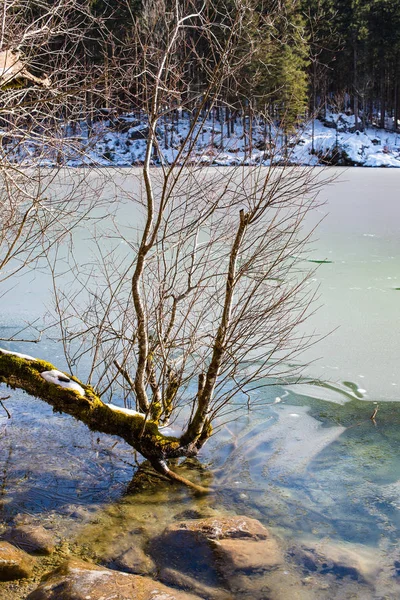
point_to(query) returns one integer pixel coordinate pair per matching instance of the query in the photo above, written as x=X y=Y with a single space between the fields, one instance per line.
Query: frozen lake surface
x=310 y=464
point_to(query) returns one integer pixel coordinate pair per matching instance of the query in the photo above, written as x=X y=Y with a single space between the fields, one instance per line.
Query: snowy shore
x=121 y=141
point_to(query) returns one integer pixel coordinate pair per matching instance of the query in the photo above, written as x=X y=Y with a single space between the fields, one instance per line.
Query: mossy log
x=19 y=371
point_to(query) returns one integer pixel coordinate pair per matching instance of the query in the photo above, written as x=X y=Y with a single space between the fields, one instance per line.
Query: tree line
x=294 y=58
x=300 y=57
x=354 y=58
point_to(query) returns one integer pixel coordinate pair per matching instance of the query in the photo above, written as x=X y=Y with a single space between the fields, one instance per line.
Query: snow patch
x=26 y=356
x=59 y=378
x=127 y=411
x=380 y=159
x=174 y=431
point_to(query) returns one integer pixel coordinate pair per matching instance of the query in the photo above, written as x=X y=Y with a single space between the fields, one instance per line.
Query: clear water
x=311 y=464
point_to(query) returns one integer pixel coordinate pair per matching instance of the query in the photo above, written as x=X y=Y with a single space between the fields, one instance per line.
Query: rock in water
x=179 y=580
x=218 y=551
x=32 y=538
x=14 y=563
x=79 y=580
x=342 y=559
x=134 y=561
x=255 y=556
x=218 y=528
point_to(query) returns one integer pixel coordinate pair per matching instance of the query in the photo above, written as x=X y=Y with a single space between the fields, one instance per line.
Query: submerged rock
x=223 y=552
x=190 y=513
x=220 y=528
x=186 y=551
x=134 y=561
x=14 y=563
x=239 y=555
x=79 y=580
x=342 y=559
x=32 y=538
x=180 y=580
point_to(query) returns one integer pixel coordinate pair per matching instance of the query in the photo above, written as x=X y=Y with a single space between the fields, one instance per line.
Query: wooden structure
x=13 y=71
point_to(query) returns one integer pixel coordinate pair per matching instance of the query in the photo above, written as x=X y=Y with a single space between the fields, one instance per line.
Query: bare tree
x=39 y=38
x=202 y=310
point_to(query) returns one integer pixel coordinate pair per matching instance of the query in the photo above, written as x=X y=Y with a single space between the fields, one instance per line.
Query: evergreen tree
x=384 y=53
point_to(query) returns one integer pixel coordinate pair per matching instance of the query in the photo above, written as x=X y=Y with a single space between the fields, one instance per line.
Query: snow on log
x=172 y=430
x=17 y=354
x=66 y=394
x=126 y=411
x=59 y=378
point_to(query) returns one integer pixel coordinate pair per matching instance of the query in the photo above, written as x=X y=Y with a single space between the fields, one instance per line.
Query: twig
x=27 y=341
x=6 y=410
x=125 y=375
x=372 y=417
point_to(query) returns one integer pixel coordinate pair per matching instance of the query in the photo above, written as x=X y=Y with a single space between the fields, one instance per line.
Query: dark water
x=310 y=464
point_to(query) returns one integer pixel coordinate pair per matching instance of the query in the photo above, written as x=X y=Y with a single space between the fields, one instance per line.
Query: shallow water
x=311 y=465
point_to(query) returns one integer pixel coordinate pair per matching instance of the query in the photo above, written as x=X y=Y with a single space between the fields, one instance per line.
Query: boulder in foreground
x=79 y=580
x=218 y=552
x=32 y=538
x=14 y=563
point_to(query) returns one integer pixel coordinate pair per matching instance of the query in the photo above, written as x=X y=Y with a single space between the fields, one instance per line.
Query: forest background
x=300 y=59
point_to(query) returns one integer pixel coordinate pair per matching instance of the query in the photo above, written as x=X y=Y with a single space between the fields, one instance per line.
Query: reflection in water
x=49 y=461
x=318 y=473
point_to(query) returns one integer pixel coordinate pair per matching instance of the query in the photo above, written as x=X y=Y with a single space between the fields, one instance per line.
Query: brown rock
x=217 y=552
x=177 y=579
x=186 y=551
x=134 y=561
x=240 y=543
x=248 y=555
x=78 y=580
x=14 y=563
x=224 y=528
x=32 y=538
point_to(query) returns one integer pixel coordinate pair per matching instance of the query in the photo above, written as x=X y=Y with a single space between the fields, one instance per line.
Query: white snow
x=381 y=160
x=127 y=411
x=120 y=144
x=59 y=378
x=172 y=431
x=26 y=356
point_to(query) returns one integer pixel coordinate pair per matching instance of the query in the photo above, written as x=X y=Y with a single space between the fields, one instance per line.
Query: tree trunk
x=383 y=103
x=228 y=129
x=314 y=88
x=355 y=86
x=143 y=435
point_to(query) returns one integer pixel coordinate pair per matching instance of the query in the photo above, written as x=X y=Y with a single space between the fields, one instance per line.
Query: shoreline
x=121 y=143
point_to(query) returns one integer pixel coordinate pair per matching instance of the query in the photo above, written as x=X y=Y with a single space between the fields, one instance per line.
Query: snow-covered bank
x=337 y=142
x=121 y=141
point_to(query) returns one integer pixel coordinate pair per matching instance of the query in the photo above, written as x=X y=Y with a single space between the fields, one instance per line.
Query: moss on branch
x=144 y=436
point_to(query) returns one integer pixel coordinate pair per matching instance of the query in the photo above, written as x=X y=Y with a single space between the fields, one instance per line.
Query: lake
x=311 y=465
